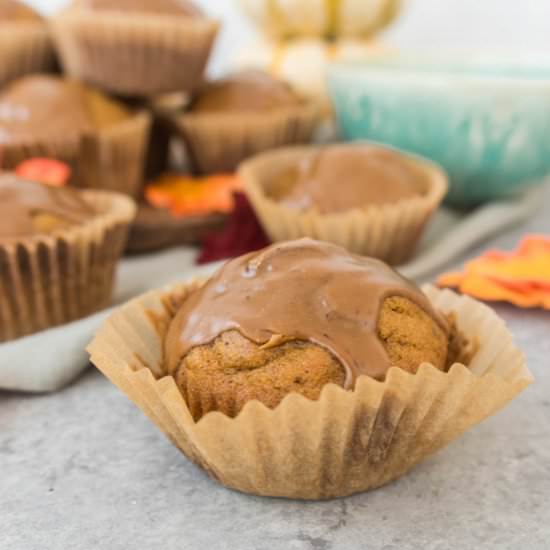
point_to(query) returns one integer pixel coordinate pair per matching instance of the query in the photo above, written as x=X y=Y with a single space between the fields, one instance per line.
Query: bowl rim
x=530 y=69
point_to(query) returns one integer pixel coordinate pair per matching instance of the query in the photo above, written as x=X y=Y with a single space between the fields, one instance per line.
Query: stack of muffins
x=133 y=78
x=136 y=63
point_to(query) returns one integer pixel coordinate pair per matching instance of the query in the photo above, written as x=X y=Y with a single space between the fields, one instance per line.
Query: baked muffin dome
x=28 y=208
x=49 y=108
x=338 y=178
x=292 y=318
x=247 y=91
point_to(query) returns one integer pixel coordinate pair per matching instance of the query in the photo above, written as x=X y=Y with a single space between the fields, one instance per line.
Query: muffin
x=134 y=48
x=336 y=316
x=25 y=46
x=58 y=252
x=240 y=115
x=102 y=141
x=305 y=371
x=371 y=199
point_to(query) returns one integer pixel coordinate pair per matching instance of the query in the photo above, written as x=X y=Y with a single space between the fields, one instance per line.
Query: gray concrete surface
x=85 y=470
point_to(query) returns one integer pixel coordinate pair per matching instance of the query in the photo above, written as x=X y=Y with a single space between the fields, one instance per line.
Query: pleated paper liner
x=134 y=54
x=25 y=48
x=347 y=441
x=389 y=232
x=219 y=142
x=49 y=280
x=112 y=158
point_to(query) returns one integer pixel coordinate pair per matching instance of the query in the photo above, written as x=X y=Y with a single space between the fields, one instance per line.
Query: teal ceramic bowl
x=487 y=124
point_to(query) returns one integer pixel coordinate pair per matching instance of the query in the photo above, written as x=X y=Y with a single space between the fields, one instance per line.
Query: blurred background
x=503 y=25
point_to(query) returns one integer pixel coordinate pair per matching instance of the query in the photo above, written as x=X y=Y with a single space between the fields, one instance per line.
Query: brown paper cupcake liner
x=345 y=442
x=389 y=232
x=25 y=48
x=220 y=142
x=49 y=280
x=133 y=54
x=112 y=158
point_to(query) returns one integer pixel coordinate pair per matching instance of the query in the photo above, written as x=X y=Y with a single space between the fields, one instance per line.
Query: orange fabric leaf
x=185 y=195
x=44 y=170
x=521 y=277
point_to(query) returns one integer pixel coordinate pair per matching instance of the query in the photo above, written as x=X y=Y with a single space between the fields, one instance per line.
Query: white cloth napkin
x=49 y=360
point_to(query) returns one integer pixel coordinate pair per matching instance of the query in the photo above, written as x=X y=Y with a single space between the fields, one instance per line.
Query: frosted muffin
x=304 y=371
x=58 y=251
x=240 y=115
x=371 y=199
x=136 y=49
x=340 y=178
x=293 y=318
x=102 y=141
x=25 y=45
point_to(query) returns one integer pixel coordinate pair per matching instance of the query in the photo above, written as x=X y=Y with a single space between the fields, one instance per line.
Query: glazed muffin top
x=338 y=178
x=28 y=208
x=159 y=7
x=313 y=292
x=11 y=10
x=247 y=91
x=42 y=107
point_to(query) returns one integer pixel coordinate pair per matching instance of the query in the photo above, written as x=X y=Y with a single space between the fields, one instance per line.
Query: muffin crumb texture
x=236 y=370
x=410 y=336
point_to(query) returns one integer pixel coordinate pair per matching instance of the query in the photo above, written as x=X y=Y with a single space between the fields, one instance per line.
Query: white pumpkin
x=324 y=18
x=302 y=62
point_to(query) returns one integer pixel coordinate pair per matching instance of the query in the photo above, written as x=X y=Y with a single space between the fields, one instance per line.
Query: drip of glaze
x=298 y=290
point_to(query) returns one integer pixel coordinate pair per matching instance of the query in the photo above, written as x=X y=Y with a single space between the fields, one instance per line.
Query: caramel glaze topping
x=297 y=290
x=21 y=201
x=338 y=178
x=10 y=10
x=42 y=107
x=160 y=7
x=247 y=91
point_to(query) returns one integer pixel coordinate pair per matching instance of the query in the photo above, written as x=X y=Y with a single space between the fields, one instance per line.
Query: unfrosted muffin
x=135 y=48
x=294 y=317
x=58 y=251
x=25 y=46
x=235 y=117
x=102 y=140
